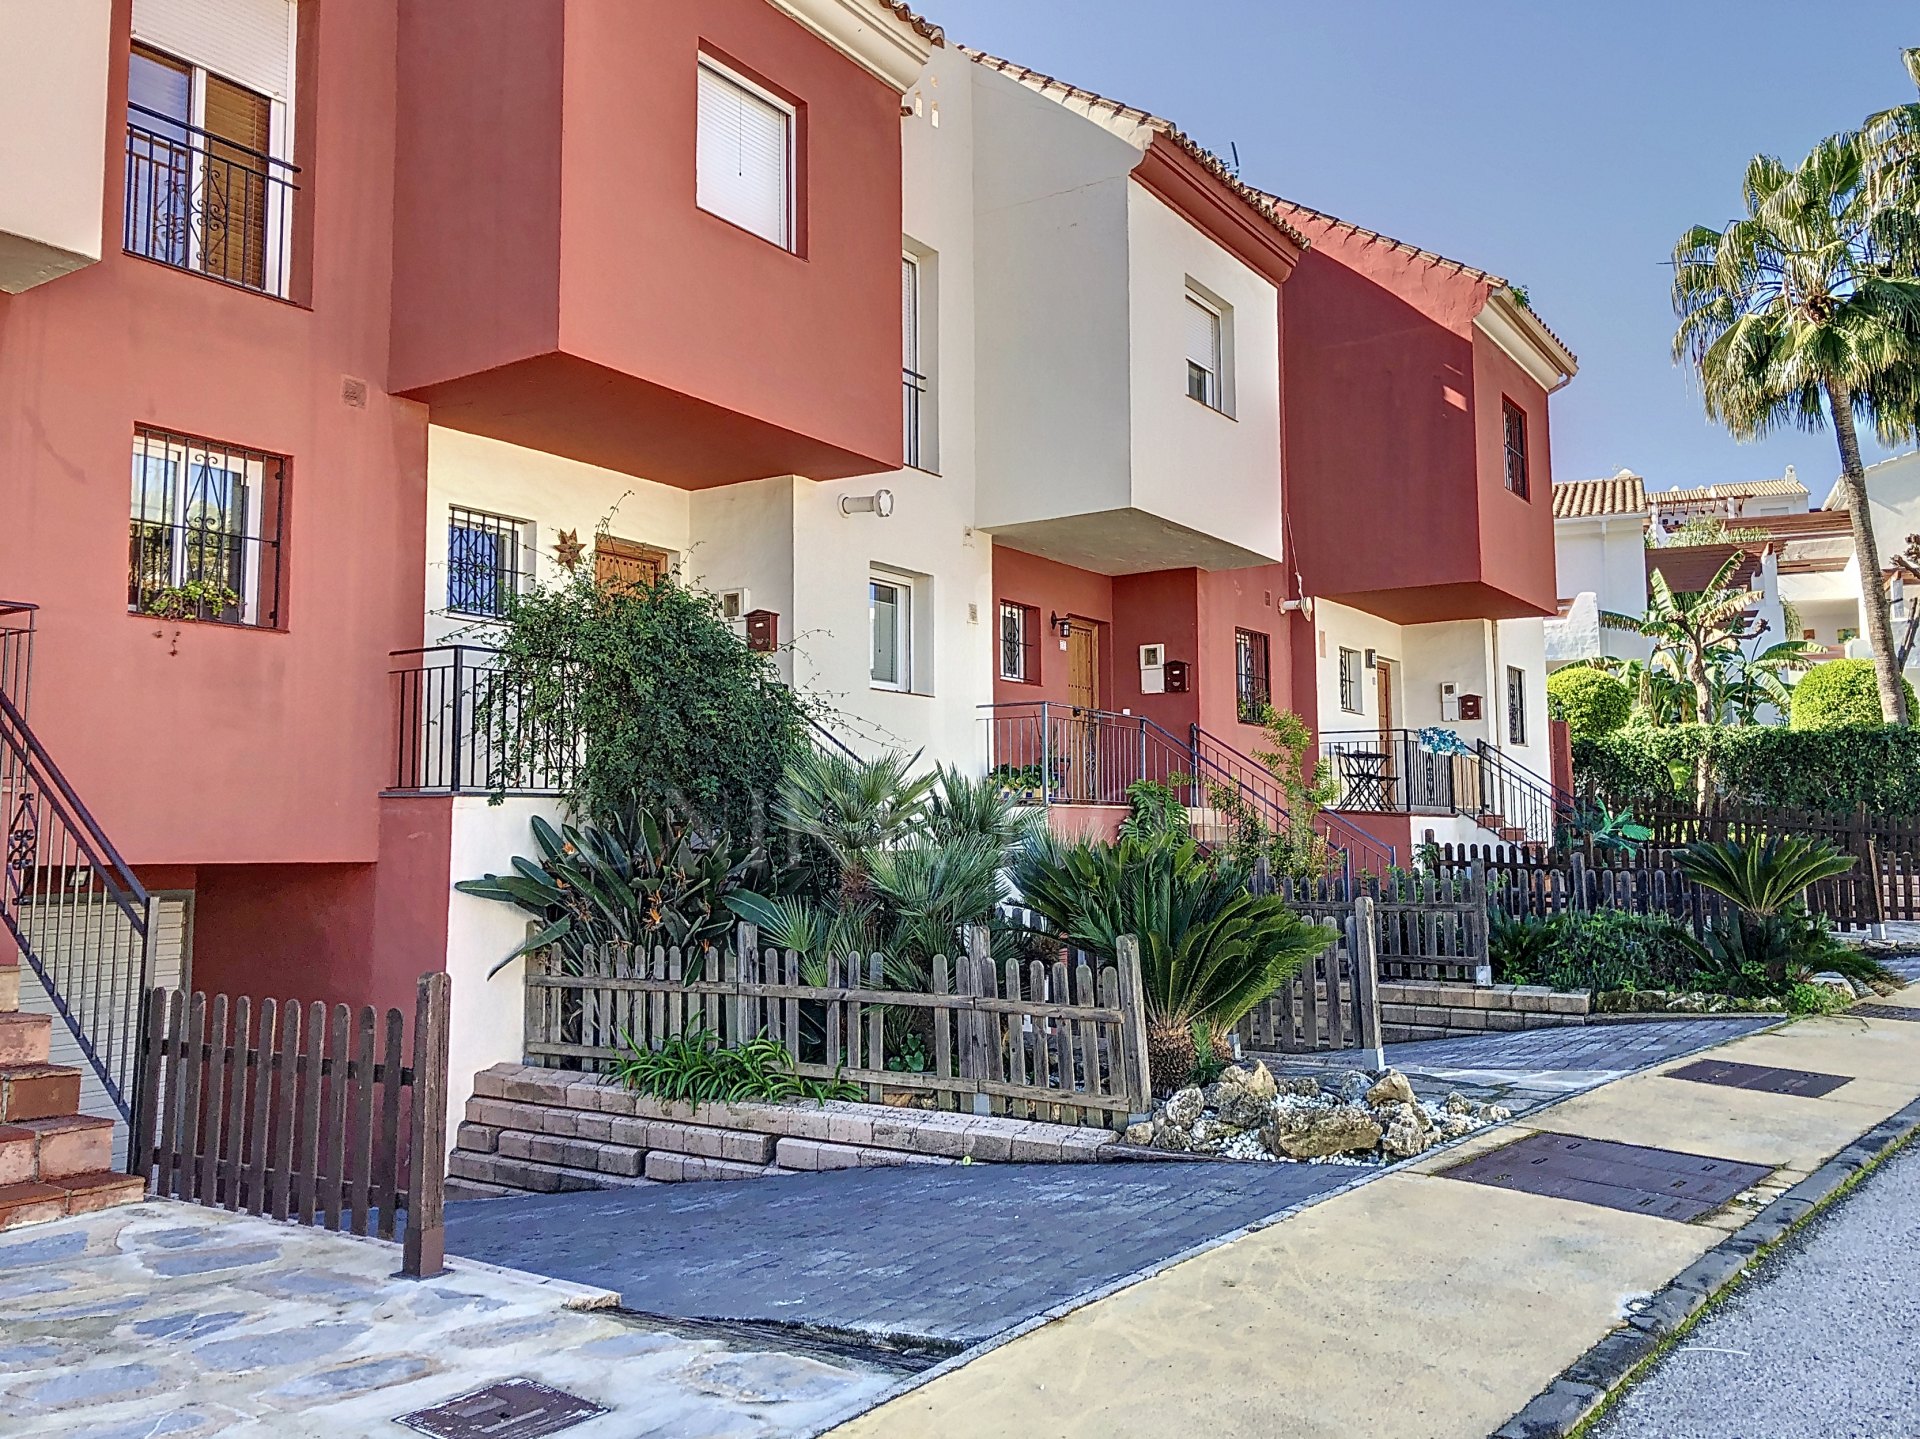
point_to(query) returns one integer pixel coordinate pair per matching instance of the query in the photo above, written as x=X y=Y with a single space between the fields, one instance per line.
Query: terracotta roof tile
x=1621 y=494
x=1747 y=490
x=1073 y=96
x=920 y=23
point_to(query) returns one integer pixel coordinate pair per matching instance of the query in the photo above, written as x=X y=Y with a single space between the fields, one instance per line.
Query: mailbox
x=763 y=631
x=1469 y=707
x=1176 y=675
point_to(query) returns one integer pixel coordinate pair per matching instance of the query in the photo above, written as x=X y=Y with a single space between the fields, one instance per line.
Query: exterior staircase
x=54 y=1160
x=78 y=922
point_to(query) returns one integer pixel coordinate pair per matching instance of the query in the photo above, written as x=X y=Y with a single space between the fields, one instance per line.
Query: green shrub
x=1210 y=948
x=1815 y=999
x=1835 y=770
x=1154 y=811
x=1592 y=703
x=693 y=1069
x=1841 y=694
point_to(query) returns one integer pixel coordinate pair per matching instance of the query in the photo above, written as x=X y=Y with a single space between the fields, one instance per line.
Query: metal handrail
x=442 y=694
x=57 y=859
x=207 y=135
x=1545 y=803
x=1364 y=852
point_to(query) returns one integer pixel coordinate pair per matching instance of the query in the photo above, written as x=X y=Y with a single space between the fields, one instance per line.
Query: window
x=486 y=562
x=1019 y=643
x=1350 y=698
x=913 y=375
x=744 y=155
x=1253 y=684
x=204 y=191
x=1204 y=353
x=1516 y=427
x=890 y=611
x=204 y=537
x=1516 y=705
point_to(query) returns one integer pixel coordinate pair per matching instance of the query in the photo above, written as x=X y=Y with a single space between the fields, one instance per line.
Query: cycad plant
x=1767 y=881
x=647 y=878
x=1210 y=949
x=1805 y=311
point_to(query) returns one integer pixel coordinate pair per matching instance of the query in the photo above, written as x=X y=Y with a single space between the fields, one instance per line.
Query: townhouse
x=1016 y=427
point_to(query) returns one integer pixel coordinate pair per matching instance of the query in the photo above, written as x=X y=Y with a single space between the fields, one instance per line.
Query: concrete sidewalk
x=1417 y=1305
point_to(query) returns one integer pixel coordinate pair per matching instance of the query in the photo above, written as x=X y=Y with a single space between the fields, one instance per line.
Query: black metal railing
x=16 y=650
x=1046 y=753
x=202 y=203
x=1394 y=772
x=1519 y=798
x=463 y=726
x=913 y=396
x=80 y=918
x=1217 y=763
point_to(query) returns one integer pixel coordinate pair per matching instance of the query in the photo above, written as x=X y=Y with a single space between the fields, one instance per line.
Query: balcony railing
x=1401 y=772
x=1065 y=754
x=913 y=396
x=201 y=203
x=16 y=650
x=462 y=726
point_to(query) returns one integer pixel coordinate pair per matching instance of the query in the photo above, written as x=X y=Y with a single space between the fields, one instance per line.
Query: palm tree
x=1890 y=145
x=1800 y=312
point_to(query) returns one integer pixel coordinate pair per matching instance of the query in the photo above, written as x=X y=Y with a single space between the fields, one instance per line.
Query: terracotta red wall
x=1516 y=534
x=1158 y=608
x=1250 y=600
x=1051 y=588
x=204 y=743
x=668 y=342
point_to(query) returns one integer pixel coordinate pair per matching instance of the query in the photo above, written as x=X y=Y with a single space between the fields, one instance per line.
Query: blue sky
x=1564 y=144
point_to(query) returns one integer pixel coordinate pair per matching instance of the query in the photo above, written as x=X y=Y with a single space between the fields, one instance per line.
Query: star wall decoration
x=568 y=550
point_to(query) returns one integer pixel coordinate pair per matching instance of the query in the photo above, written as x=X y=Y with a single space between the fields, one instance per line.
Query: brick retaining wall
x=1420 y=1009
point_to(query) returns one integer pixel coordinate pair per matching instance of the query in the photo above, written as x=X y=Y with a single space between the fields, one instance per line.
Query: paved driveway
x=954 y=1253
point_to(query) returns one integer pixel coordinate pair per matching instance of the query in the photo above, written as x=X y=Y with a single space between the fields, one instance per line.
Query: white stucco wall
x=1607 y=557
x=1522 y=644
x=53 y=132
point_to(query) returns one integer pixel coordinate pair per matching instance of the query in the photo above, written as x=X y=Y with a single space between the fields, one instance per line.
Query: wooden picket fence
x=277 y=1110
x=1884 y=885
x=1333 y=1003
x=1063 y=1041
x=1429 y=926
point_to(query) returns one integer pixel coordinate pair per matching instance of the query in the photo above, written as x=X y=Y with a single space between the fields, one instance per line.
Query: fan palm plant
x=853 y=809
x=1210 y=949
x=1806 y=311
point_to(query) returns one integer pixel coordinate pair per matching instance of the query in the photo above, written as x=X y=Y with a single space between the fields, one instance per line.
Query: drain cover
x=1882 y=1011
x=511 y=1409
x=1661 y=1182
x=1759 y=1077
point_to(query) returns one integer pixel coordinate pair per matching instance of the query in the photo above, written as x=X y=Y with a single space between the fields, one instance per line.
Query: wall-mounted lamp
x=1062 y=626
x=880 y=503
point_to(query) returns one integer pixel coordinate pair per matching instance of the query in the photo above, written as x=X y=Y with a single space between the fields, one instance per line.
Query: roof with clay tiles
x=1621 y=494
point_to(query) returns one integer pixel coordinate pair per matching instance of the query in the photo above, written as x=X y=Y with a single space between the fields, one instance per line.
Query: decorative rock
x=1313 y=1133
x=1458 y=1103
x=1392 y=1088
x=1389 y=1115
x=1352 y=1086
x=1827 y=979
x=1185 y=1107
x=1243 y=1109
x=1406 y=1136
x=1141 y=1133
x=1301 y=1088
x=1260 y=1082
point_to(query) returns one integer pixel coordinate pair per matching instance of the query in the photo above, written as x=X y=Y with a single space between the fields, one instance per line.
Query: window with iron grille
x=1516 y=705
x=1019 y=643
x=486 y=562
x=205 y=530
x=1516 y=428
x=1254 y=684
x=1350 y=700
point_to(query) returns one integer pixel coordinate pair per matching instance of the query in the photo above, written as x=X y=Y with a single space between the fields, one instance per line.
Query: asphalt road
x=1821 y=1341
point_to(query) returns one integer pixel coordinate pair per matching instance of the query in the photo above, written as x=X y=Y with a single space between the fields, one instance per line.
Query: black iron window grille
x=913 y=397
x=1019 y=643
x=1253 y=676
x=1516 y=705
x=486 y=562
x=205 y=533
x=199 y=202
x=1515 y=421
x=1350 y=681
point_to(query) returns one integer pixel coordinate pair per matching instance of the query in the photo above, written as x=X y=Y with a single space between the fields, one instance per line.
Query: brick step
x=35 y=1202
x=50 y=1150
x=38 y=1091
x=588 y=1128
x=816 y=1154
x=529 y=1177
x=686 y=1168
x=25 y=1038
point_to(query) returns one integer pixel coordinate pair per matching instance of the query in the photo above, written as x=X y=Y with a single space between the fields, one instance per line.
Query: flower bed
x=1353 y=1117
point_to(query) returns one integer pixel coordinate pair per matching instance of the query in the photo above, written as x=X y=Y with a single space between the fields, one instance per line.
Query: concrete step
x=38 y=1091
x=25 y=1038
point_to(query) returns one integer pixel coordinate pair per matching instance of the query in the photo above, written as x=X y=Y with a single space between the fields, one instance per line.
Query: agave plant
x=1210 y=949
x=646 y=878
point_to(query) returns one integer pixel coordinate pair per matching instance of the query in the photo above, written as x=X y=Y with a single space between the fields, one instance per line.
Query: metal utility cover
x=511 y=1409
x=1660 y=1182
x=1881 y=1011
x=1761 y=1078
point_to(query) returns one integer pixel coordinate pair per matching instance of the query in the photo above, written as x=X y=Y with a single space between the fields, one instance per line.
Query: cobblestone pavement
x=956 y=1253
x=172 y=1320
x=1525 y=1069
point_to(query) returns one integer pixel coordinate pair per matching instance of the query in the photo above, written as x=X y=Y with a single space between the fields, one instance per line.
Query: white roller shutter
x=1203 y=346
x=745 y=156
x=247 y=41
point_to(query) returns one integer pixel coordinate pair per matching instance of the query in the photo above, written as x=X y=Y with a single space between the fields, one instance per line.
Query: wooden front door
x=1083 y=664
x=1383 y=693
x=618 y=563
x=1079 y=739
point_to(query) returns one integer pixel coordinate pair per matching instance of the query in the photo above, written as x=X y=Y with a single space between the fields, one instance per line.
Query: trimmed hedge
x=1592 y=703
x=1841 y=694
x=1833 y=770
